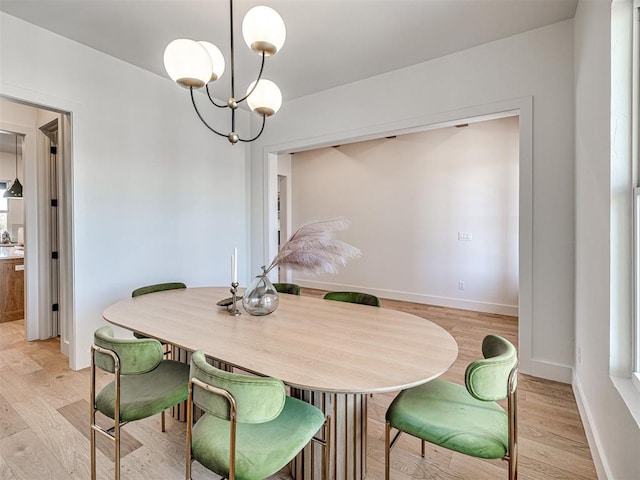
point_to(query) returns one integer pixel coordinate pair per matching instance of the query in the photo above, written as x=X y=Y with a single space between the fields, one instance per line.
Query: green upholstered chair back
x=136 y=355
x=158 y=287
x=488 y=379
x=354 y=297
x=290 y=288
x=258 y=399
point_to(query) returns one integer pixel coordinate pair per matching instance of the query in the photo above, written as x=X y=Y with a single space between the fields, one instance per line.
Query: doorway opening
x=47 y=218
x=522 y=107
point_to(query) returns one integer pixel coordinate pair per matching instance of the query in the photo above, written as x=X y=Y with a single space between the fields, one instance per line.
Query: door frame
x=37 y=298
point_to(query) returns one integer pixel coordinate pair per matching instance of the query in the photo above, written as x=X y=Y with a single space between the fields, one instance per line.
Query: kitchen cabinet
x=11 y=289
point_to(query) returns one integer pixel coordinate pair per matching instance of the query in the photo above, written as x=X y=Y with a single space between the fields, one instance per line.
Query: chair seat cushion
x=261 y=448
x=146 y=394
x=445 y=414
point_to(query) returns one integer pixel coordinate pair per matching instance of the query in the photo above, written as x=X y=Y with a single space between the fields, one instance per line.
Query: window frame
x=4 y=184
x=635 y=156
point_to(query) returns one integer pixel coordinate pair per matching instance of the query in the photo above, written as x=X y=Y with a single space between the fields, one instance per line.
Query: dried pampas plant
x=312 y=248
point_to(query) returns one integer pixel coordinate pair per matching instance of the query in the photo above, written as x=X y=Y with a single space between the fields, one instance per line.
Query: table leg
x=348 y=445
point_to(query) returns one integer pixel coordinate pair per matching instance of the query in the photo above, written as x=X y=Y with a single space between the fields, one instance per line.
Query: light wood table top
x=308 y=343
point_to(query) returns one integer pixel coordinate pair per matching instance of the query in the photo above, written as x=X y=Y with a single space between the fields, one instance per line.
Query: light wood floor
x=44 y=419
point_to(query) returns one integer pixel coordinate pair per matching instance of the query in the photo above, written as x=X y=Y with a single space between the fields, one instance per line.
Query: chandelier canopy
x=195 y=64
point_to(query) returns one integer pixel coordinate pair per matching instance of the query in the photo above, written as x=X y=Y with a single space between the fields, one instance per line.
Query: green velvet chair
x=466 y=420
x=251 y=428
x=290 y=288
x=144 y=384
x=158 y=287
x=354 y=297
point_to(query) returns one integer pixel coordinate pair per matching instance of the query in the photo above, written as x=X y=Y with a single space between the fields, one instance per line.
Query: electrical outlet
x=465 y=236
x=579 y=355
x=460 y=285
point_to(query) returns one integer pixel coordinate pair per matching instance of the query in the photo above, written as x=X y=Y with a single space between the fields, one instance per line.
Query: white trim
x=595 y=445
x=635 y=160
x=77 y=112
x=522 y=106
x=628 y=390
x=511 y=310
x=551 y=371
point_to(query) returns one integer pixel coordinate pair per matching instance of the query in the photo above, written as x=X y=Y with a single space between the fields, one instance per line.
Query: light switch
x=465 y=237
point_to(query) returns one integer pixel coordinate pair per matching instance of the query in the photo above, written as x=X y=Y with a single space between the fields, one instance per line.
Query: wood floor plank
x=572 y=462
x=5 y=471
x=77 y=414
x=13 y=358
x=10 y=421
x=28 y=460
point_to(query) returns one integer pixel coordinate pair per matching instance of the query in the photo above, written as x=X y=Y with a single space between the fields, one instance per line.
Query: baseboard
x=551 y=371
x=602 y=469
x=484 y=307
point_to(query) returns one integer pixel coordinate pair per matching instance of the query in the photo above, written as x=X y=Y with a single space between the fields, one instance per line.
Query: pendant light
x=16 y=189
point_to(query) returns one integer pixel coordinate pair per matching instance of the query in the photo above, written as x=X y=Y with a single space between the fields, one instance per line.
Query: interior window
x=4 y=207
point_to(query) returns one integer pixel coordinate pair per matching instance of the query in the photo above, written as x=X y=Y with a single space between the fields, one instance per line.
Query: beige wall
x=408 y=198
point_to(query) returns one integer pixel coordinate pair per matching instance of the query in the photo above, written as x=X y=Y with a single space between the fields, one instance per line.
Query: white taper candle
x=234 y=266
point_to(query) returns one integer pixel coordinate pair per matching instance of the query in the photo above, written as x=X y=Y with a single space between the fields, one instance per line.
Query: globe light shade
x=188 y=63
x=266 y=99
x=263 y=30
x=217 y=60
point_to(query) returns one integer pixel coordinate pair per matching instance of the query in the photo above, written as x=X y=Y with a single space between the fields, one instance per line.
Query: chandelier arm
x=211 y=98
x=257 y=80
x=193 y=101
x=264 y=119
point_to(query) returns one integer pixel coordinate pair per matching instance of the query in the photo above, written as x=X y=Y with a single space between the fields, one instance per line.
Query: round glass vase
x=260 y=297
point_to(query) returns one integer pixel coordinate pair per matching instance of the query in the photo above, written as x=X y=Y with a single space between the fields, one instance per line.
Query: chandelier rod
x=255 y=83
x=264 y=121
x=193 y=101
x=248 y=93
x=233 y=67
x=211 y=98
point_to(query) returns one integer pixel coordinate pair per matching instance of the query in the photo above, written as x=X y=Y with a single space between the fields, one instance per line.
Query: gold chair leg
x=327 y=447
x=162 y=421
x=92 y=440
x=92 y=419
x=512 y=463
x=189 y=427
x=423 y=448
x=117 y=449
x=387 y=450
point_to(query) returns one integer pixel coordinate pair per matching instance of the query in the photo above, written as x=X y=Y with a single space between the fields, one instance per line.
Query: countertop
x=11 y=252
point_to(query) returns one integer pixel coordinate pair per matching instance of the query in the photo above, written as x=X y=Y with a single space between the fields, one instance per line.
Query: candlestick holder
x=234 y=298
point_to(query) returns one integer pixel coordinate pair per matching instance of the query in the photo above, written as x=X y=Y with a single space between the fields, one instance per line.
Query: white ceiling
x=329 y=42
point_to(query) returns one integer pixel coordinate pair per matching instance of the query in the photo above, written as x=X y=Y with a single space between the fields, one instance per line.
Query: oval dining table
x=331 y=354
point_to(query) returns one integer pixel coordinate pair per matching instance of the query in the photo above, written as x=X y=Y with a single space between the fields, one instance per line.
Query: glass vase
x=261 y=297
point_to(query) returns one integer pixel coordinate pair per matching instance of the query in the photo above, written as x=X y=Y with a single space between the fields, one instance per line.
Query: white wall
x=155 y=196
x=535 y=64
x=408 y=198
x=614 y=435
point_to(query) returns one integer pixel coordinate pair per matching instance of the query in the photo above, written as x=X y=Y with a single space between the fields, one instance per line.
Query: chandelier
x=195 y=64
